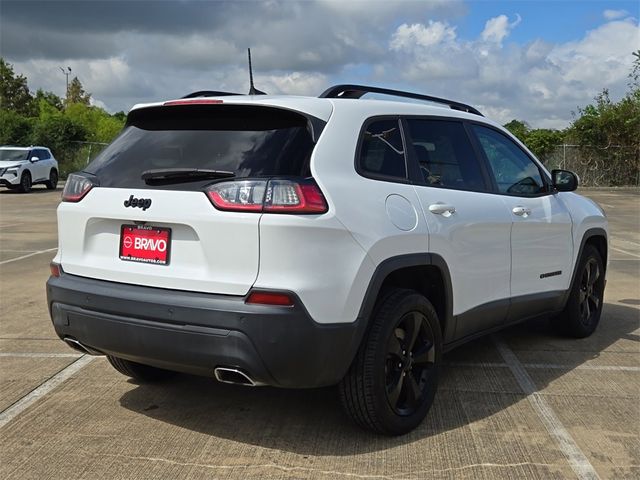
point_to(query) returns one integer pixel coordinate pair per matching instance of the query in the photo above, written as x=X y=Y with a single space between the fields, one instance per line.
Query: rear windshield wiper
x=167 y=175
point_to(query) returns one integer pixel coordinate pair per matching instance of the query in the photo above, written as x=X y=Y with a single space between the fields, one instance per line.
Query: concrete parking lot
x=524 y=403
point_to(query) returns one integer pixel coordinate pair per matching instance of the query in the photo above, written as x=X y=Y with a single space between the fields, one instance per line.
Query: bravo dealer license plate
x=145 y=244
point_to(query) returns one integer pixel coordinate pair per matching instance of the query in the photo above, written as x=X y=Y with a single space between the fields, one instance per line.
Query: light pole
x=66 y=73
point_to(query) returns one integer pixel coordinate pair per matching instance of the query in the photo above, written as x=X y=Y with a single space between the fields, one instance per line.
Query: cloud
x=614 y=14
x=498 y=28
x=132 y=52
x=434 y=33
x=539 y=82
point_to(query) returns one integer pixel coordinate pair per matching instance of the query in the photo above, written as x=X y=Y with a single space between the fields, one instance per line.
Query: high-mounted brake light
x=268 y=196
x=199 y=101
x=76 y=188
x=270 y=298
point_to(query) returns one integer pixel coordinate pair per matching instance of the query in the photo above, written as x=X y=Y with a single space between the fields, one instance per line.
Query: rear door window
x=382 y=152
x=248 y=141
x=445 y=154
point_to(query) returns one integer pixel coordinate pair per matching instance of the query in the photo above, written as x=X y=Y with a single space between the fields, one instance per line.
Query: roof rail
x=357 y=91
x=209 y=93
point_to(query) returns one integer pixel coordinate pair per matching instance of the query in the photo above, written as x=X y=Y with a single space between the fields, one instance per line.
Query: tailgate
x=210 y=250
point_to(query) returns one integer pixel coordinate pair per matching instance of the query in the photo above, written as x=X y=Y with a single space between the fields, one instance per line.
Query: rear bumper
x=195 y=332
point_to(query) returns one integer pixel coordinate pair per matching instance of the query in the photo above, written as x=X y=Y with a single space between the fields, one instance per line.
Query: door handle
x=442 y=209
x=521 y=211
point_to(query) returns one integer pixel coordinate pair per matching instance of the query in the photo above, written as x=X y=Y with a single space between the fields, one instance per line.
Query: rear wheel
x=392 y=382
x=25 y=182
x=584 y=306
x=138 y=371
x=53 y=180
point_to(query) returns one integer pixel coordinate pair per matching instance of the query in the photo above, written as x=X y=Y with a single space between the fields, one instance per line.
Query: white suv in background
x=23 y=167
x=304 y=242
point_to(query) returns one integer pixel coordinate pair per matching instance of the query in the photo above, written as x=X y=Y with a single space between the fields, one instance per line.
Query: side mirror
x=564 y=180
x=34 y=159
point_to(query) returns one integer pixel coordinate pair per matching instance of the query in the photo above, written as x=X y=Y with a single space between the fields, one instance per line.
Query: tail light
x=268 y=196
x=77 y=187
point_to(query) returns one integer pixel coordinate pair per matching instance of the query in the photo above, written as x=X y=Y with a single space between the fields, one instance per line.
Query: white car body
x=498 y=258
x=37 y=162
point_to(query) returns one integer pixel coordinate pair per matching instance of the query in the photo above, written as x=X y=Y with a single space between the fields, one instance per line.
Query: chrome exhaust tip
x=76 y=345
x=234 y=376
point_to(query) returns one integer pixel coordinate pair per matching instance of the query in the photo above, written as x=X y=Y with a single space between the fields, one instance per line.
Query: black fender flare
x=392 y=264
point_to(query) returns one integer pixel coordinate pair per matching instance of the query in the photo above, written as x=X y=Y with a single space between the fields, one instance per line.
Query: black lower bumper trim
x=196 y=332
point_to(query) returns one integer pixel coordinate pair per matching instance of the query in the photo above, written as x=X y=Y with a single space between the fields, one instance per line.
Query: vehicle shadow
x=311 y=422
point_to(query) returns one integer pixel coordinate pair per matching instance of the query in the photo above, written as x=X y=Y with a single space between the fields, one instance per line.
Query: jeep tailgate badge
x=142 y=203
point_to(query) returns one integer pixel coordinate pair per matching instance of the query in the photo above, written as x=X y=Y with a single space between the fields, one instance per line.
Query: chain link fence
x=612 y=166
x=76 y=155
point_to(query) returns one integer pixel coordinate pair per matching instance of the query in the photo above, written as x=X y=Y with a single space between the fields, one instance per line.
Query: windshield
x=13 y=154
x=245 y=141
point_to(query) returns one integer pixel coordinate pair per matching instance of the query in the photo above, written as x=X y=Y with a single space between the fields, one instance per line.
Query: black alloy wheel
x=590 y=296
x=393 y=379
x=410 y=361
x=53 y=180
x=582 y=313
x=25 y=182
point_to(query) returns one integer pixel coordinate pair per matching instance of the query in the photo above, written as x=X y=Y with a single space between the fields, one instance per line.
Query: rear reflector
x=270 y=298
x=76 y=188
x=55 y=269
x=269 y=196
x=192 y=102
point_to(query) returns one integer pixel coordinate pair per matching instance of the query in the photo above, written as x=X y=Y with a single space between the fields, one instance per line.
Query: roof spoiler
x=357 y=91
x=209 y=93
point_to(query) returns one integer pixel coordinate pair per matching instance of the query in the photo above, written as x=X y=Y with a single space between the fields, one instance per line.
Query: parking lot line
x=624 y=251
x=40 y=355
x=545 y=366
x=577 y=459
x=28 y=255
x=18 y=407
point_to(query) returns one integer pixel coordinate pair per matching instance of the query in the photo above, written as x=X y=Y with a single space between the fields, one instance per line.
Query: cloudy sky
x=531 y=60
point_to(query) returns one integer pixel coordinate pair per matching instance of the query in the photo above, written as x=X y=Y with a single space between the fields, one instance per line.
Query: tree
x=14 y=92
x=57 y=133
x=519 y=128
x=540 y=141
x=77 y=94
x=49 y=97
x=543 y=141
x=14 y=128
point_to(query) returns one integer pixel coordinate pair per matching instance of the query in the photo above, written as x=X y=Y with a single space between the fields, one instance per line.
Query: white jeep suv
x=305 y=242
x=23 y=167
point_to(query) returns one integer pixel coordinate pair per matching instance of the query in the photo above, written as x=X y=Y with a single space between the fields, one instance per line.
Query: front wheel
x=584 y=306
x=392 y=382
x=25 y=182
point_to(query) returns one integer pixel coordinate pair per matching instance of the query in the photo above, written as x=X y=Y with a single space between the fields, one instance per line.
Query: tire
x=53 y=180
x=387 y=390
x=584 y=306
x=25 y=182
x=138 y=371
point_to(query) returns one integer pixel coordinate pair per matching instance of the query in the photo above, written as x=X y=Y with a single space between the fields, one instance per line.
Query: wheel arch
x=427 y=273
x=597 y=237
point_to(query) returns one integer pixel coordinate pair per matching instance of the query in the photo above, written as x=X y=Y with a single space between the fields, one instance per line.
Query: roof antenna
x=252 y=90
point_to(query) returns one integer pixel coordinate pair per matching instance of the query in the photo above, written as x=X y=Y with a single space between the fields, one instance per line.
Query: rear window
x=249 y=141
